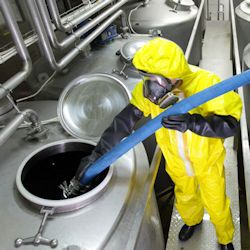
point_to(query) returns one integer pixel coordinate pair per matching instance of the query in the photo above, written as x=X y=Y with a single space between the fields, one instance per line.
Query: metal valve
x=38 y=239
x=121 y=72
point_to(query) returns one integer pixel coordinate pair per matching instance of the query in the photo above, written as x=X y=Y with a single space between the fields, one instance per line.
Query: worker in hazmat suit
x=191 y=143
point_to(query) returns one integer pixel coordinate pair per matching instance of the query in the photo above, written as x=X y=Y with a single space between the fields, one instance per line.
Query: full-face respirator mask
x=159 y=89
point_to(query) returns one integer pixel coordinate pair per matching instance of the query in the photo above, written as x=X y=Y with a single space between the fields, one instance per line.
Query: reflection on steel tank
x=242 y=18
x=237 y=2
x=246 y=89
x=175 y=20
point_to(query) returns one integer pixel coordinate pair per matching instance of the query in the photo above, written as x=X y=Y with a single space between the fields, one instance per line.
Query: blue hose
x=150 y=127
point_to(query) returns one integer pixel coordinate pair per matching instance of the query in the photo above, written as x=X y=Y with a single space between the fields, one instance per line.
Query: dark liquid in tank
x=42 y=177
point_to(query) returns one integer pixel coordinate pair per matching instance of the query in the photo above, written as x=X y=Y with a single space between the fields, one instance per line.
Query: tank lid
x=129 y=49
x=246 y=56
x=245 y=6
x=89 y=103
x=186 y=3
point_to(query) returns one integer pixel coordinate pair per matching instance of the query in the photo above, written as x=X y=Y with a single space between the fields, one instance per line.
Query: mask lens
x=153 y=91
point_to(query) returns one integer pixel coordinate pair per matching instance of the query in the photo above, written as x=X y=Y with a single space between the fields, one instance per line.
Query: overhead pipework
x=68 y=23
x=46 y=48
x=17 y=79
x=70 y=20
x=79 y=32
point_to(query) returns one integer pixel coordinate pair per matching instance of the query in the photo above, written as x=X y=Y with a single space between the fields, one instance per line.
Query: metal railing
x=220 y=10
x=243 y=121
x=194 y=30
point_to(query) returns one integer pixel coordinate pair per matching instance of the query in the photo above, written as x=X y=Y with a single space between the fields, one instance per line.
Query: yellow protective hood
x=163 y=57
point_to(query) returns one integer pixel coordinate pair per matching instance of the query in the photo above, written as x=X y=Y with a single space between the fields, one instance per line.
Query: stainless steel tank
x=237 y=2
x=118 y=212
x=175 y=20
x=246 y=89
x=242 y=18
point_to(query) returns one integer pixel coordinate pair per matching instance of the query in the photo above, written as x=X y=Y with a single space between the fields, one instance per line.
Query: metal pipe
x=41 y=33
x=72 y=54
x=19 y=77
x=194 y=30
x=218 y=10
x=12 y=126
x=44 y=41
x=235 y=40
x=68 y=26
x=208 y=12
x=78 y=33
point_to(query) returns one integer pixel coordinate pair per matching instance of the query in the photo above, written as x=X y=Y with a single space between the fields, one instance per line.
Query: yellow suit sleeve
x=227 y=104
x=139 y=100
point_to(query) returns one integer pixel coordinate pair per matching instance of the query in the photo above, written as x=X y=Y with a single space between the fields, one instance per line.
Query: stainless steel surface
x=246 y=58
x=5 y=106
x=93 y=63
x=243 y=92
x=107 y=223
x=65 y=205
x=127 y=52
x=174 y=24
x=39 y=239
x=44 y=41
x=194 y=30
x=235 y=39
x=243 y=25
x=12 y=126
x=69 y=22
x=181 y=5
x=205 y=237
x=142 y=233
x=89 y=103
x=9 y=53
x=19 y=77
x=79 y=32
x=129 y=49
x=245 y=128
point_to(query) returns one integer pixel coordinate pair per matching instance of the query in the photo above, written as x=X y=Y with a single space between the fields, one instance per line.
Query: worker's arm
x=211 y=126
x=122 y=126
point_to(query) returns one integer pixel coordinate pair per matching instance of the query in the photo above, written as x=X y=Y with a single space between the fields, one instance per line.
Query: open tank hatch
x=41 y=173
x=44 y=172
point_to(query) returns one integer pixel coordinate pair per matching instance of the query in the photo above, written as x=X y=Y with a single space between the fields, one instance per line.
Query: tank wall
x=247 y=106
x=246 y=92
x=243 y=36
x=178 y=29
x=237 y=2
x=150 y=235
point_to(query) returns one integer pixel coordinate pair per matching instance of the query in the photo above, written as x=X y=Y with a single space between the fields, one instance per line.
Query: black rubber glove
x=212 y=126
x=85 y=163
x=121 y=127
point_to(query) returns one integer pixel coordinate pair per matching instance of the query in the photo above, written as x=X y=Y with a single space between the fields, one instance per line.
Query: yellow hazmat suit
x=194 y=163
